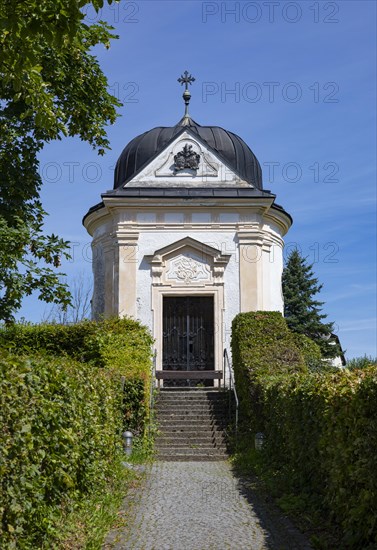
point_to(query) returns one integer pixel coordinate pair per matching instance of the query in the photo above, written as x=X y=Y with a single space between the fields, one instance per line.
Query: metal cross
x=186 y=79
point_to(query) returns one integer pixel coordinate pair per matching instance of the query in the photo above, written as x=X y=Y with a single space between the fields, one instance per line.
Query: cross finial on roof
x=186 y=79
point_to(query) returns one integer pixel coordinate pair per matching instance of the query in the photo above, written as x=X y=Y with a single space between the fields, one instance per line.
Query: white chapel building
x=186 y=239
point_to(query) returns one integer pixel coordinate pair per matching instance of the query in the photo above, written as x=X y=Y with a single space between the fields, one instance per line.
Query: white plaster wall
x=201 y=217
x=276 y=270
x=102 y=230
x=229 y=217
x=146 y=217
x=266 y=279
x=149 y=242
x=174 y=217
x=98 y=267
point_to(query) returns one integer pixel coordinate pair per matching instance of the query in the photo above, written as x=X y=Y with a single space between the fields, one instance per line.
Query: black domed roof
x=231 y=148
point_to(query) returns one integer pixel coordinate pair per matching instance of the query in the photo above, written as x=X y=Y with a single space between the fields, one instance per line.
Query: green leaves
x=62 y=412
x=320 y=428
x=51 y=85
x=61 y=431
x=263 y=344
x=24 y=253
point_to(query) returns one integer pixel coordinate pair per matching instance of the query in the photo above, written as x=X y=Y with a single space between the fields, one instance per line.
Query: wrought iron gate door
x=188 y=337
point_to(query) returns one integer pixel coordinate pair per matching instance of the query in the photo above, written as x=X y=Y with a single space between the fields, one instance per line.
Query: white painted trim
x=162 y=286
x=217 y=292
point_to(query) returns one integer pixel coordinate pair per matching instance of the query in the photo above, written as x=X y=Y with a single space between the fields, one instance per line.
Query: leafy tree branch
x=51 y=86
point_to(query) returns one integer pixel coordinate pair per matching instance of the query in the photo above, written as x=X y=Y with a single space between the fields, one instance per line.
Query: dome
x=228 y=146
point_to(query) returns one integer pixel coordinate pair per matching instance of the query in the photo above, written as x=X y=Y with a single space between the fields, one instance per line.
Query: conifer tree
x=302 y=312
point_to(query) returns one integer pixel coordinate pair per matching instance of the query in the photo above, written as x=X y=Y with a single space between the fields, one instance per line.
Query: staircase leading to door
x=191 y=425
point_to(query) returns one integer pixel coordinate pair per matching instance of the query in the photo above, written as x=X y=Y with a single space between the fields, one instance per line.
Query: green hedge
x=261 y=344
x=123 y=341
x=67 y=393
x=321 y=442
x=311 y=352
x=320 y=431
x=61 y=424
x=122 y=344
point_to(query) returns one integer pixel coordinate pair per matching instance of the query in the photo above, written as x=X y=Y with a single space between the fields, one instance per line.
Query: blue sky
x=296 y=80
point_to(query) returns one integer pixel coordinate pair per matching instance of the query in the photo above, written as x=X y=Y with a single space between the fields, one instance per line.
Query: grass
x=86 y=527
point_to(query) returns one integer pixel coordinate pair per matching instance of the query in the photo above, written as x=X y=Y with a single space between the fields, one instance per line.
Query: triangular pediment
x=187 y=242
x=187 y=262
x=187 y=161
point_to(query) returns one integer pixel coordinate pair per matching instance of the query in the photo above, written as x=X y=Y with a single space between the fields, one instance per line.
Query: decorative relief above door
x=188 y=269
x=187 y=262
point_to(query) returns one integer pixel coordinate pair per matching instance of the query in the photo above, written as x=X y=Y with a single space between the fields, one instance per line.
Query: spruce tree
x=302 y=312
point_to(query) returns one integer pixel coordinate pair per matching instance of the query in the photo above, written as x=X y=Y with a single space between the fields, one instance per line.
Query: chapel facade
x=186 y=239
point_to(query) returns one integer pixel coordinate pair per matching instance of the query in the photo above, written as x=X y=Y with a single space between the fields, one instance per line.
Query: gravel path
x=200 y=506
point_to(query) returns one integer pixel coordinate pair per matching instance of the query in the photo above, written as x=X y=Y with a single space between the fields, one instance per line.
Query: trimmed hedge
x=47 y=338
x=320 y=431
x=123 y=344
x=310 y=350
x=67 y=393
x=261 y=344
x=61 y=435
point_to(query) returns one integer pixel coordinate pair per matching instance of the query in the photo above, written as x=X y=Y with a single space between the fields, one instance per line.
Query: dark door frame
x=188 y=335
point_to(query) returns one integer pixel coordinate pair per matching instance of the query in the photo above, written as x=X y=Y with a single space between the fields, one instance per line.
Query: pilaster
x=125 y=272
x=251 y=270
x=108 y=252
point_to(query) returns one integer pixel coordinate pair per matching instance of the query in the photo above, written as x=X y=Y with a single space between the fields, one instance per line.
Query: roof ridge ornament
x=186 y=79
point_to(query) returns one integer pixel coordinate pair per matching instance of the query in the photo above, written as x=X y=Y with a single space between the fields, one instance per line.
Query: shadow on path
x=200 y=506
x=283 y=533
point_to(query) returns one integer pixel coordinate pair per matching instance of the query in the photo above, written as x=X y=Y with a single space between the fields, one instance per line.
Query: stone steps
x=191 y=451
x=186 y=422
x=168 y=441
x=194 y=402
x=191 y=425
x=194 y=406
x=191 y=417
x=187 y=418
x=192 y=458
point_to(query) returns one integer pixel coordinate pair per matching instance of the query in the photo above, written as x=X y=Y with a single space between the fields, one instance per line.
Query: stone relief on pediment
x=188 y=269
x=186 y=158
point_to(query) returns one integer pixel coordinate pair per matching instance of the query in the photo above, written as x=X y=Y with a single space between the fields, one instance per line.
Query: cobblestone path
x=200 y=506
